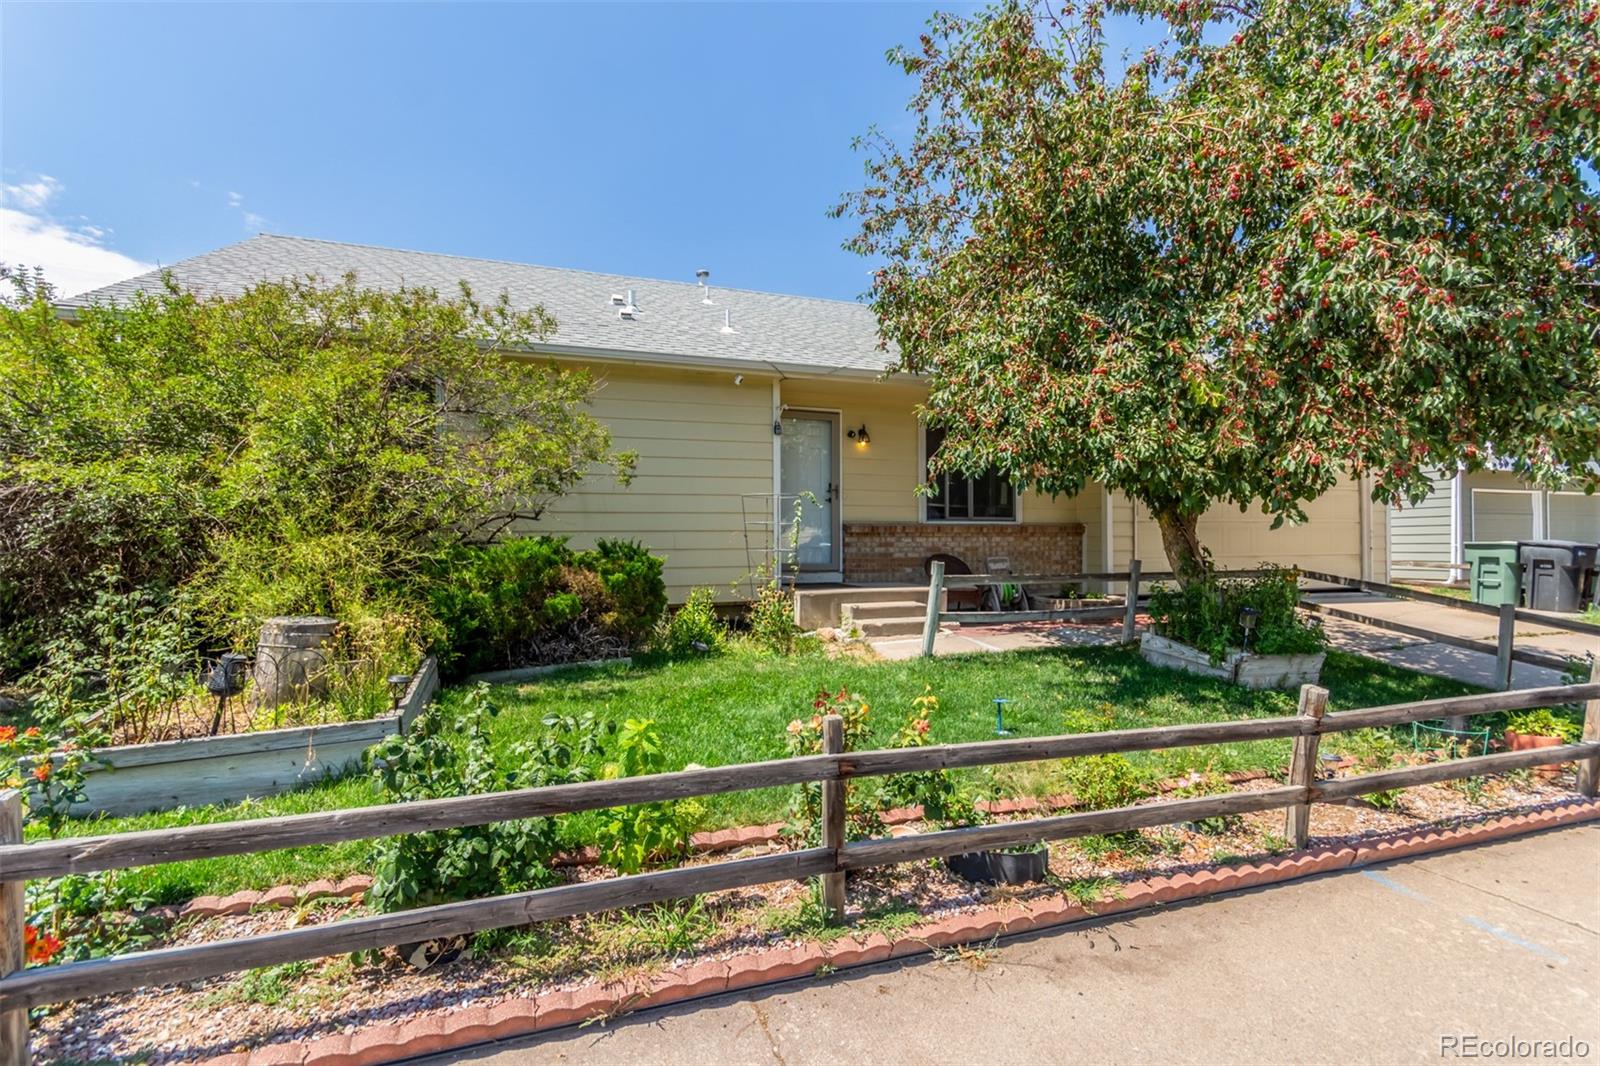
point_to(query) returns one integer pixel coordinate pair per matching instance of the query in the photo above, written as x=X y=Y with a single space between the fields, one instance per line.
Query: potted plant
x=1020 y=865
x=1539 y=729
x=947 y=805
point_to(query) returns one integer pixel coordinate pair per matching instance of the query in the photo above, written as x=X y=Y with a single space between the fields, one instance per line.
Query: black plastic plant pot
x=1001 y=867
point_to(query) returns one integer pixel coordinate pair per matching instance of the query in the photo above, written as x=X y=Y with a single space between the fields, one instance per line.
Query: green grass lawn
x=735 y=708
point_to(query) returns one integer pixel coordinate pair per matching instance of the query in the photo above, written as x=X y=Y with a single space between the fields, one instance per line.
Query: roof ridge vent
x=629 y=309
x=727 y=322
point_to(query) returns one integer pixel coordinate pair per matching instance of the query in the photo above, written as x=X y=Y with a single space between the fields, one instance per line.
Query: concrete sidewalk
x=1384 y=964
x=1419 y=653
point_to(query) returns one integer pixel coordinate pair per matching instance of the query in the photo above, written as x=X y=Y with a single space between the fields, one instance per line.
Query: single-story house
x=1427 y=541
x=740 y=402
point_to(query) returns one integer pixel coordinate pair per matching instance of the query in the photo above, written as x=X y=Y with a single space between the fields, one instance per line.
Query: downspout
x=1364 y=511
x=777 y=477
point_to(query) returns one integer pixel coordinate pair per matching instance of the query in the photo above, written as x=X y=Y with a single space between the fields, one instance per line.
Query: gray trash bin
x=1554 y=572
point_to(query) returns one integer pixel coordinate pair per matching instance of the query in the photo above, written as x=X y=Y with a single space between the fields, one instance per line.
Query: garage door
x=1504 y=515
x=1574 y=516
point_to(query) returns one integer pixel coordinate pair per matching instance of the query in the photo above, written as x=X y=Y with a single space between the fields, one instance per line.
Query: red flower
x=31 y=731
x=39 y=948
x=8 y=733
x=42 y=772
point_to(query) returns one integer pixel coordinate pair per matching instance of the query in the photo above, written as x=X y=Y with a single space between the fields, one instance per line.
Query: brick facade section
x=882 y=551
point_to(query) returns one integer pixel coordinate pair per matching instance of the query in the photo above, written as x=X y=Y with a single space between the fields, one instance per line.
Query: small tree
x=302 y=446
x=1352 y=238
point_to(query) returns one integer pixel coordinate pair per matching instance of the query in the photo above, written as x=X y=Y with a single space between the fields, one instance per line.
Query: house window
x=986 y=498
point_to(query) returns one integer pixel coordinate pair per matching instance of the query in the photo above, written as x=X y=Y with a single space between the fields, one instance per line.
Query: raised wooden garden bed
x=135 y=778
x=1242 y=668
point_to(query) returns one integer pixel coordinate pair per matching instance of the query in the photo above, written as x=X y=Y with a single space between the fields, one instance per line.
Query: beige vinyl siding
x=878 y=480
x=1422 y=533
x=1087 y=507
x=702 y=442
x=1329 y=540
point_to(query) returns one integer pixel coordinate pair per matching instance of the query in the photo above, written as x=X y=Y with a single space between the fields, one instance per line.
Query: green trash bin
x=1496 y=577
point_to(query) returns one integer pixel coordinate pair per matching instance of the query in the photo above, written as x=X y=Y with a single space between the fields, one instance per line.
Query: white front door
x=809 y=481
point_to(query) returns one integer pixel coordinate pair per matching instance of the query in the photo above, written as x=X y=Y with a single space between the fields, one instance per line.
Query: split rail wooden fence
x=22 y=988
x=1504 y=647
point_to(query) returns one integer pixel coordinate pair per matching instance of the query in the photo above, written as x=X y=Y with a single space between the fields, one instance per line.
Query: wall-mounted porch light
x=859 y=436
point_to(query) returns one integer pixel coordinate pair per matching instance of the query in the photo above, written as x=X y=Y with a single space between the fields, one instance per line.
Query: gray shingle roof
x=794 y=332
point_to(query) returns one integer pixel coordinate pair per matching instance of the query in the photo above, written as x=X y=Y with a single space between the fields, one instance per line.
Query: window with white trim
x=957 y=498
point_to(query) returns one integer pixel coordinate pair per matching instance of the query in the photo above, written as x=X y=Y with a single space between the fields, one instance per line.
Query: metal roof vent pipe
x=727 y=322
x=629 y=309
x=702 y=276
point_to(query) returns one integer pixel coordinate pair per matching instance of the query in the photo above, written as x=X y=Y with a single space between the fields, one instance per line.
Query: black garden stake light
x=1247 y=619
x=398 y=683
x=226 y=679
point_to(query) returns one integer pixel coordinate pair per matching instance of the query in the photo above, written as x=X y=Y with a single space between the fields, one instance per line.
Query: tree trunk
x=1182 y=543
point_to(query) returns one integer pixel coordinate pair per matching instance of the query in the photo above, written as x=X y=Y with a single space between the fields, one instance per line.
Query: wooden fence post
x=930 y=624
x=833 y=819
x=1132 y=609
x=13 y=1023
x=1502 y=662
x=1303 y=766
x=1589 y=769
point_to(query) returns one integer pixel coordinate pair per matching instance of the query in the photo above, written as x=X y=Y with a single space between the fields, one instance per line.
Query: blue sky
x=635 y=139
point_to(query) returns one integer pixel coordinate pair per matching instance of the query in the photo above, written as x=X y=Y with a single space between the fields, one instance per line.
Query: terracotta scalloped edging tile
x=389 y=1041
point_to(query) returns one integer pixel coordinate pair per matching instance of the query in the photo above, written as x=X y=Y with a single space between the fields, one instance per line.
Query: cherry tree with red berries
x=1299 y=240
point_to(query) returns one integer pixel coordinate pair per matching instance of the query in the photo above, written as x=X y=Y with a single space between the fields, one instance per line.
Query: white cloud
x=73 y=260
x=253 y=222
x=31 y=195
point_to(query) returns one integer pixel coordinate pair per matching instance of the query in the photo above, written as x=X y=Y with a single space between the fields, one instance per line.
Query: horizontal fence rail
x=19 y=862
x=78 y=855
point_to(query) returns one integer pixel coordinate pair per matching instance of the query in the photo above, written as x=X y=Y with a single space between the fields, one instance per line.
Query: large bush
x=1209 y=614
x=302 y=447
x=535 y=600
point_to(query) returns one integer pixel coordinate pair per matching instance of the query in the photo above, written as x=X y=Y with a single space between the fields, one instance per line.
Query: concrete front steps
x=819 y=606
x=878 y=619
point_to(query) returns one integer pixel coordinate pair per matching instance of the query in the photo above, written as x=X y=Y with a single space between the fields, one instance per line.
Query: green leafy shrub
x=49 y=766
x=1373 y=750
x=772 y=623
x=944 y=803
x=1100 y=782
x=92 y=916
x=1543 y=723
x=693 y=629
x=863 y=801
x=630 y=837
x=632 y=578
x=302 y=447
x=447 y=753
x=534 y=600
x=125 y=658
x=1206 y=614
